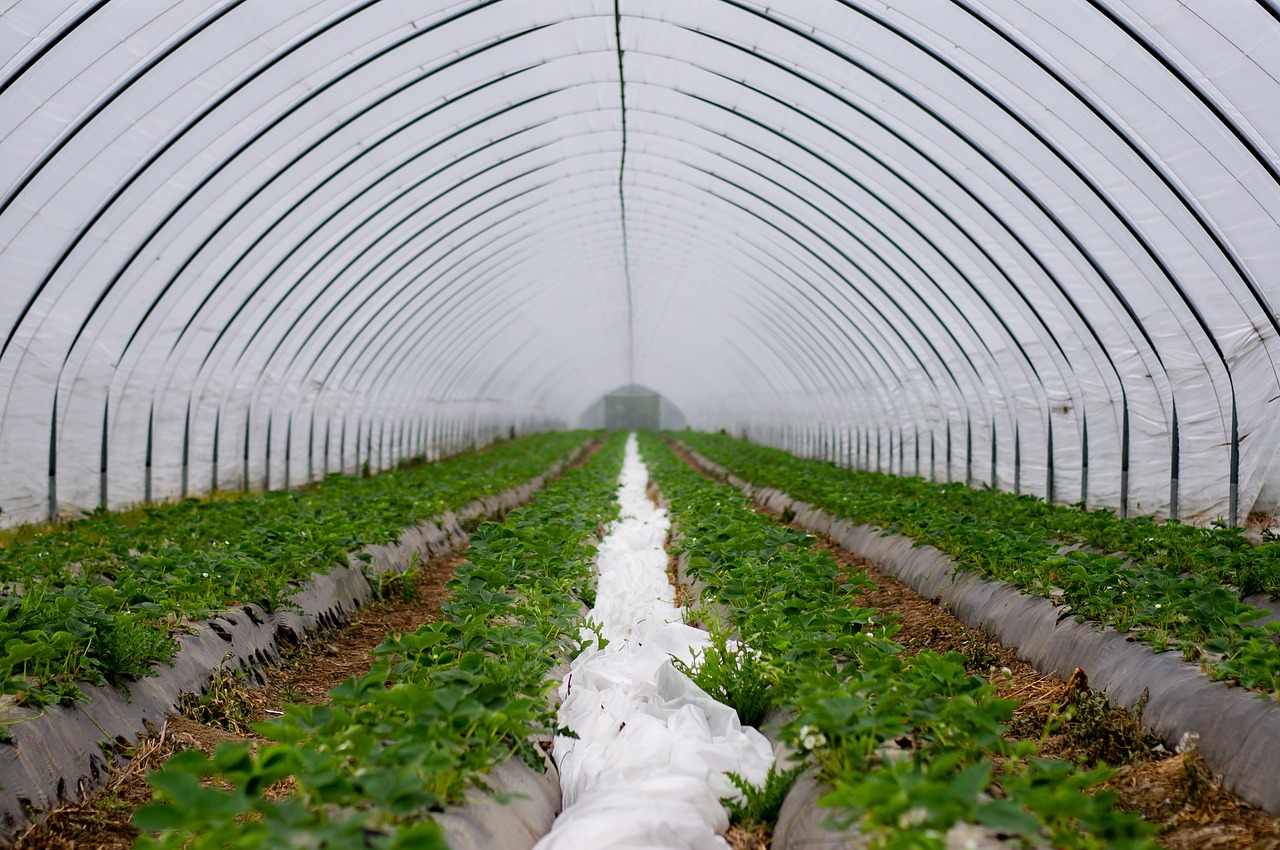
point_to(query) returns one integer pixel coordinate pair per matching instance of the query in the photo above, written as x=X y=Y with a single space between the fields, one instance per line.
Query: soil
x=309 y=672
x=234 y=702
x=1174 y=792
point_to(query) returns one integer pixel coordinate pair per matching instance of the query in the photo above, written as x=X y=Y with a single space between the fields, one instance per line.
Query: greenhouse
x=637 y=424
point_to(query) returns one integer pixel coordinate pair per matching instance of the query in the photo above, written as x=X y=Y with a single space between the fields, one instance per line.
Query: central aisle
x=648 y=767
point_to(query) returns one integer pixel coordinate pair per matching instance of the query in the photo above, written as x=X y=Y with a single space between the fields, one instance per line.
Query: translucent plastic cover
x=1031 y=244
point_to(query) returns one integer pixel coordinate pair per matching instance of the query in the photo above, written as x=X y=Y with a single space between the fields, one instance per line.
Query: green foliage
x=98 y=600
x=1173 y=585
x=735 y=675
x=759 y=805
x=910 y=746
x=441 y=707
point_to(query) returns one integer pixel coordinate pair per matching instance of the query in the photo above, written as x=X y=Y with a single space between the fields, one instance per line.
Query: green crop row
x=1174 y=586
x=440 y=707
x=910 y=747
x=100 y=599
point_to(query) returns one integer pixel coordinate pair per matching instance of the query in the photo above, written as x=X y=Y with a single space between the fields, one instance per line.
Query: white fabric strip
x=650 y=763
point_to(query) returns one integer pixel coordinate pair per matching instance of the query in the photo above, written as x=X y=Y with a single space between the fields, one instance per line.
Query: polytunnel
x=1012 y=243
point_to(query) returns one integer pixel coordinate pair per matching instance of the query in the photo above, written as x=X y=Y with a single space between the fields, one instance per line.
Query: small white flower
x=811 y=738
x=1157 y=606
x=206 y=575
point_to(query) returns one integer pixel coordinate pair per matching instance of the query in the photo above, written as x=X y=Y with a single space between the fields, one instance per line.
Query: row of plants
x=1173 y=585
x=441 y=706
x=908 y=746
x=101 y=598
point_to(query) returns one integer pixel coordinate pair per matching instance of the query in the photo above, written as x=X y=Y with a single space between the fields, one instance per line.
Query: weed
x=222 y=705
x=735 y=675
x=759 y=804
x=1096 y=732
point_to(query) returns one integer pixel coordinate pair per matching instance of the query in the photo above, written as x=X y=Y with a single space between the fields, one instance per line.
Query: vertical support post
x=266 y=467
x=102 y=459
x=1233 y=498
x=186 y=451
x=948 y=450
x=217 y=433
x=993 y=454
x=1174 y=461
x=1048 y=475
x=1017 y=459
x=1084 y=460
x=1124 y=461
x=968 y=459
x=244 y=478
x=328 y=432
x=288 y=450
x=359 y=430
x=53 y=460
x=146 y=479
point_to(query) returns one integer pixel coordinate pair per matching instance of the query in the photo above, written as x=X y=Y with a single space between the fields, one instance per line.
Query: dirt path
x=226 y=713
x=1174 y=792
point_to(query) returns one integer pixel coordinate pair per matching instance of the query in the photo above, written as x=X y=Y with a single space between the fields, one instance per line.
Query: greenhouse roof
x=1021 y=243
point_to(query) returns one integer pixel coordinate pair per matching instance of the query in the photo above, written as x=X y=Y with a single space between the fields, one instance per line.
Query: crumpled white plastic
x=650 y=762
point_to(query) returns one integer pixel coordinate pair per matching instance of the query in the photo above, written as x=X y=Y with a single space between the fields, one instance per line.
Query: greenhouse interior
x=692 y=424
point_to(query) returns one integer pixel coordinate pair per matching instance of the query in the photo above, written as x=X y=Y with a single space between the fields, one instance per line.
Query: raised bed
x=59 y=753
x=1237 y=731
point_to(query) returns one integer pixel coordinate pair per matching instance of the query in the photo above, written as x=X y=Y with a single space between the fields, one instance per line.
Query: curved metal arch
x=880 y=231
x=1131 y=228
x=862 y=271
x=124 y=186
x=243 y=148
x=337 y=244
x=401 y=335
x=1171 y=185
x=50 y=43
x=968 y=191
x=207 y=358
x=851 y=341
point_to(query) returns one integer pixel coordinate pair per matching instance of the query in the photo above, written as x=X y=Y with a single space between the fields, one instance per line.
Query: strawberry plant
x=99 y=599
x=909 y=746
x=441 y=707
x=1173 y=585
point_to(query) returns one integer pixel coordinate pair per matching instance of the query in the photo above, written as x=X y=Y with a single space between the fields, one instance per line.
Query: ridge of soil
x=1173 y=791
x=235 y=701
x=310 y=670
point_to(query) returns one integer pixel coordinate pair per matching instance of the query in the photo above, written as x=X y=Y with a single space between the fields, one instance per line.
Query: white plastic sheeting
x=245 y=241
x=649 y=765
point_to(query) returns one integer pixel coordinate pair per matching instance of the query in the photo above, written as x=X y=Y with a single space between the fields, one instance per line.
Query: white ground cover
x=649 y=765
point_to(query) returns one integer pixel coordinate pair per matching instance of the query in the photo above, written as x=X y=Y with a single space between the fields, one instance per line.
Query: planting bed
x=101 y=599
x=910 y=750
x=393 y=759
x=444 y=742
x=54 y=752
x=1238 y=733
x=644 y=759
